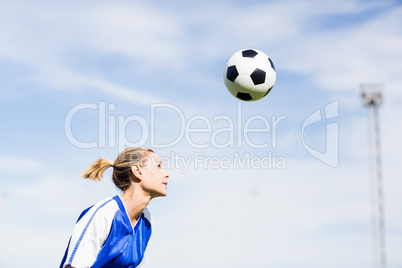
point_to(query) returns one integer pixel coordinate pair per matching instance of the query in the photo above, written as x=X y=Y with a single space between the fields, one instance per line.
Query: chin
x=159 y=194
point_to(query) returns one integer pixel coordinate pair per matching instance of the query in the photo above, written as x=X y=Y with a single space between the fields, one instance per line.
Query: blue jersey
x=104 y=237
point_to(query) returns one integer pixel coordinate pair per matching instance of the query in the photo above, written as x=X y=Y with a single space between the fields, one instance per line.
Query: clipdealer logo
x=239 y=131
x=330 y=156
x=219 y=132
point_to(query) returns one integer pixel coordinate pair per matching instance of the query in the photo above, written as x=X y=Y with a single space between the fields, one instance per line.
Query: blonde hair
x=122 y=175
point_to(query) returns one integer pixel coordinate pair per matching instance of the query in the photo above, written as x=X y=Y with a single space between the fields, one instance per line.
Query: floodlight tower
x=372 y=99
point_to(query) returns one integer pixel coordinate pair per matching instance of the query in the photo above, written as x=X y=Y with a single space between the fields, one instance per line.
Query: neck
x=135 y=202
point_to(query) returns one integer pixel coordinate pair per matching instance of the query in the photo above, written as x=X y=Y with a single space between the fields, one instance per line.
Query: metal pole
x=373 y=187
x=380 y=192
x=372 y=100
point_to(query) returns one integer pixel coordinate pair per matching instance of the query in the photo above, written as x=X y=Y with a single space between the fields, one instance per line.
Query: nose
x=167 y=175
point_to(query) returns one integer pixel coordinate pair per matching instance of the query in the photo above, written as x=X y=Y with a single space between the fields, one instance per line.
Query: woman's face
x=154 y=176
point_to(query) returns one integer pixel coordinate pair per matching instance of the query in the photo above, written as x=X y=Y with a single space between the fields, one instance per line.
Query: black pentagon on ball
x=258 y=76
x=244 y=96
x=272 y=64
x=249 y=53
x=232 y=73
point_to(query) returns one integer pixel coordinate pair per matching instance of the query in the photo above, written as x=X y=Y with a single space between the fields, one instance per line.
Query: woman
x=115 y=231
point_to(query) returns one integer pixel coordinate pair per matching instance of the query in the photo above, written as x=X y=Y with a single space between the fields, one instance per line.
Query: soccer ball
x=249 y=74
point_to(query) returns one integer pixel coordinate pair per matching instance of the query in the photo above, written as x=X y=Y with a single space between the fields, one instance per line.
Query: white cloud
x=8 y=162
x=341 y=58
x=43 y=40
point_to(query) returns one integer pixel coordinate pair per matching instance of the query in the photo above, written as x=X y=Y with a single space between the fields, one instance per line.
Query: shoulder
x=148 y=216
x=100 y=213
x=90 y=232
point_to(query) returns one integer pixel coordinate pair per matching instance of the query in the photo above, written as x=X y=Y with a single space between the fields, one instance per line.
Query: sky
x=280 y=182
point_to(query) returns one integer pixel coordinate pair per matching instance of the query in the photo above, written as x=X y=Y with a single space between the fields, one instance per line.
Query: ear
x=136 y=170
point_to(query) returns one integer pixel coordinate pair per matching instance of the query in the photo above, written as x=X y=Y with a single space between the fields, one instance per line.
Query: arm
x=89 y=234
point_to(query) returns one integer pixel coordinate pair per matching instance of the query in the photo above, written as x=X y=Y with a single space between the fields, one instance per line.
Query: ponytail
x=96 y=170
x=122 y=175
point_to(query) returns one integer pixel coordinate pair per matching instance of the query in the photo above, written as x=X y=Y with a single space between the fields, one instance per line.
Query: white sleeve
x=90 y=233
